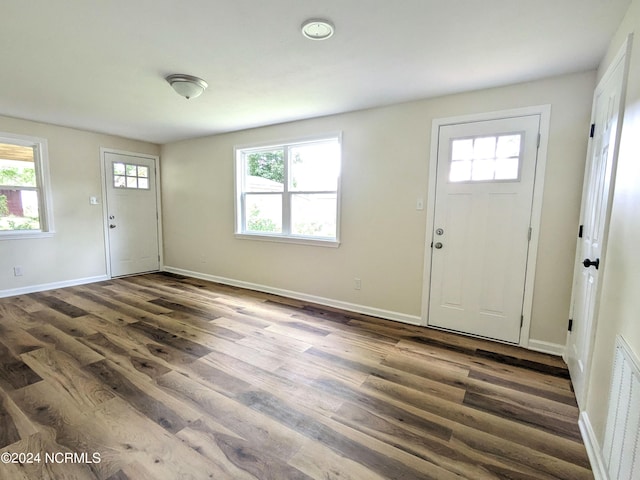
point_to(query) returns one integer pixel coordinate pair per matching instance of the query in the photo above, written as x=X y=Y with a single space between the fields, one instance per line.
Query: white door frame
x=536 y=211
x=105 y=213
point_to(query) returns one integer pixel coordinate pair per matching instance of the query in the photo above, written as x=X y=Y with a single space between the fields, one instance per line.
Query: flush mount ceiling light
x=317 y=29
x=187 y=86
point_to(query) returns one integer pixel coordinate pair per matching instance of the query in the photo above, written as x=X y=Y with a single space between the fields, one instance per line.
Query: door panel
x=596 y=204
x=132 y=214
x=484 y=193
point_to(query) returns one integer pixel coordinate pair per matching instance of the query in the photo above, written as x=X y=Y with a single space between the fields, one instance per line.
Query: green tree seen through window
x=269 y=165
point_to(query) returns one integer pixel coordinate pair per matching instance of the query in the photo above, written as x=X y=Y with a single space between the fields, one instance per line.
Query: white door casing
x=131 y=211
x=475 y=283
x=607 y=113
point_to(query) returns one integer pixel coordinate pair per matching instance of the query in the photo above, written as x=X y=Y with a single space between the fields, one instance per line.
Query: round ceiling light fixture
x=317 y=29
x=187 y=86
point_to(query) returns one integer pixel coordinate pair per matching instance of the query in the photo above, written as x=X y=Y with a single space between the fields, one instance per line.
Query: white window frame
x=43 y=186
x=285 y=236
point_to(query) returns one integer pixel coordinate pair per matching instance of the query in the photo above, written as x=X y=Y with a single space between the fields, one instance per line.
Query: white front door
x=596 y=205
x=484 y=193
x=132 y=213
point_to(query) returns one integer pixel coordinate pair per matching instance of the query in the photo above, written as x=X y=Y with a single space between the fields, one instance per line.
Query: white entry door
x=607 y=113
x=132 y=213
x=484 y=194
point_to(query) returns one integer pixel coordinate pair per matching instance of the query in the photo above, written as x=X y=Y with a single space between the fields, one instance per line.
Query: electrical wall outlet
x=357 y=283
x=17 y=271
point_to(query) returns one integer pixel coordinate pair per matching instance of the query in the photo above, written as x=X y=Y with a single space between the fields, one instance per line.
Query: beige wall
x=77 y=249
x=619 y=312
x=385 y=169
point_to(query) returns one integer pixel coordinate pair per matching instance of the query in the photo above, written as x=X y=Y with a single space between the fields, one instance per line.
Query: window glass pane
x=462 y=149
x=485 y=158
x=264 y=171
x=315 y=166
x=130 y=170
x=460 y=171
x=119 y=182
x=143 y=183
x=17 y=173
x=508 y=146
x=118 y=168
x=143 y=171
x=483 y=170
x=263 y=213
x=507 y=168
x=484 y=147
x=314 y=215
x=19 y=210
x=132 y=182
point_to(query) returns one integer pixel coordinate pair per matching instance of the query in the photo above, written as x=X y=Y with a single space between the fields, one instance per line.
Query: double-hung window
x=289 y=191
x=25 y=209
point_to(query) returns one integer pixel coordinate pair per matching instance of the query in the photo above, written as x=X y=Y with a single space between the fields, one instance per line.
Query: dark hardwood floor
x=163 y=377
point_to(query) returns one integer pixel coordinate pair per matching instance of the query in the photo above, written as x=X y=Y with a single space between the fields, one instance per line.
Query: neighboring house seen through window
x=24 y=197
x=289 y=191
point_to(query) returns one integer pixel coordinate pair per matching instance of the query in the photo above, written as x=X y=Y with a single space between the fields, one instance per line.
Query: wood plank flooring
x=165 y=377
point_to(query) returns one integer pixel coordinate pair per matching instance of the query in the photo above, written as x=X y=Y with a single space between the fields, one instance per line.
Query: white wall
x=385 y=169
x=77 y=250
x=619 y=312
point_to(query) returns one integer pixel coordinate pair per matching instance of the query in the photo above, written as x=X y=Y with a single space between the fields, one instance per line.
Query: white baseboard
x=546 y=347
x=351 y=307
x=593 y=448
x=51 y=286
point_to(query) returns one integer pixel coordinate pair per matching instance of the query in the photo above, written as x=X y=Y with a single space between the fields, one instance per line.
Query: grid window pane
x=314 y=214
x=19 y=210
x=506 y=168
x=484 y=147
x=508 y=146
x=314 y=167
x=264 y=213
x=130 y=176
x=462 y=149
x=460 y=171
x=119 y=181
x=264 y=171
x=486 y=158
x=118 y=168
x=18 y=173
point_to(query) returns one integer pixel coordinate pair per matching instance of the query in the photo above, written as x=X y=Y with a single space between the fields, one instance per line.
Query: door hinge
x=592 y=131
x=580 y=231
x=530 y=233
x=521 y=320
x=538 y=143
x=570 y=327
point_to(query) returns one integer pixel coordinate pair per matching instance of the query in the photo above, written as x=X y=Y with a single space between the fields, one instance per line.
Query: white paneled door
x=132 y=213
x=607 y=114
x=484 y=194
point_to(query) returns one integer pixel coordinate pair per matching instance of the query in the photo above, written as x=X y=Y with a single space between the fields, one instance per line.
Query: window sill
x=23 y=235
x=295 y=240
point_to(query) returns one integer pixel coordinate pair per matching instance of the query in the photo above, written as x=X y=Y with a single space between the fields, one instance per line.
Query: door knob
x=438 y=245
x=112 y=226
x=591 y=263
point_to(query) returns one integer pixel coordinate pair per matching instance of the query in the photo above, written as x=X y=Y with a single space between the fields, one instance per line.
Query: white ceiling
x=100 y=65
